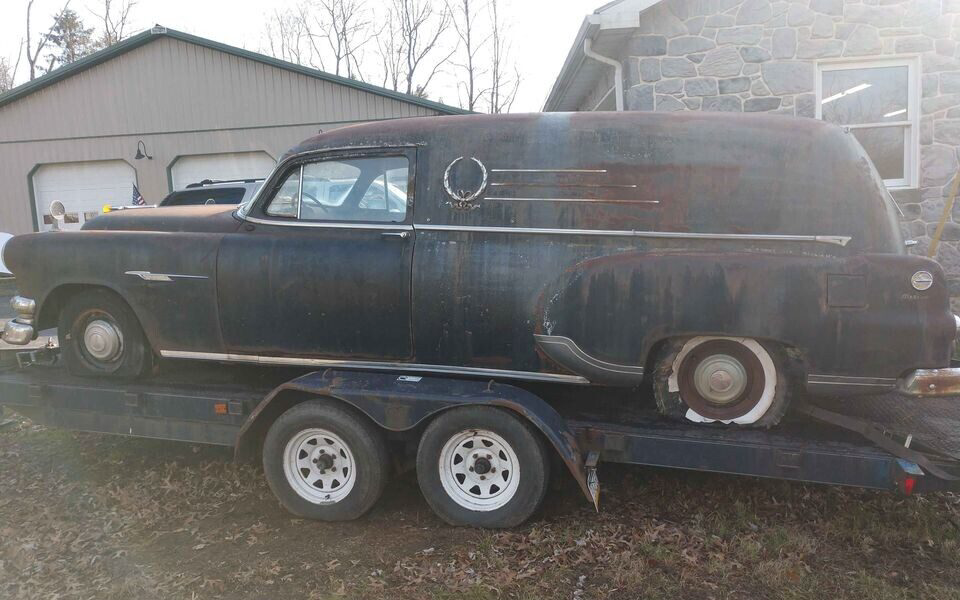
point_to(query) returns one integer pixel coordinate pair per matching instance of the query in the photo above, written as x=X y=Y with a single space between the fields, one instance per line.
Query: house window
x=878 y=101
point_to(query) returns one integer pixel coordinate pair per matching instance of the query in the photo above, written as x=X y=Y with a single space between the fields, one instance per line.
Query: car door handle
x=400 y=235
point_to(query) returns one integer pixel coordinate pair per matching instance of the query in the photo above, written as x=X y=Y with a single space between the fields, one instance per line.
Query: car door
x=322 y=266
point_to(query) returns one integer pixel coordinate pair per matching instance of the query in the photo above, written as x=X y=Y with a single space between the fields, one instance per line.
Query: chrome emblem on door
x=462 y=198
x=921 y=280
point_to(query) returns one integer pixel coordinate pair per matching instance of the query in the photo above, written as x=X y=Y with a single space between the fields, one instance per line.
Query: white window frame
x=910 y=126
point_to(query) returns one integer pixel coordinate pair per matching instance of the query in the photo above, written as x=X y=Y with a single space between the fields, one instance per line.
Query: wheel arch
x=54 y=301
x=796 y=357
x=374 y=395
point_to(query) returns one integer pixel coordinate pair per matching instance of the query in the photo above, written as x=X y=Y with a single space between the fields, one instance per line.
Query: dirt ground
x=91 y=516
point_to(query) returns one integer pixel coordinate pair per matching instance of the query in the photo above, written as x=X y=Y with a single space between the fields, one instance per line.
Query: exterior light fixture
x=142 y=151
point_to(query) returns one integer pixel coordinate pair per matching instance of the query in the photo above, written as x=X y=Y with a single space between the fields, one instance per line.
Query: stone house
x=887 y=69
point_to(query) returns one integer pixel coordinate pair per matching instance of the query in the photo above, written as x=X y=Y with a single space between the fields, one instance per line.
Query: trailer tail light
x=220 y=408
x=907 y=485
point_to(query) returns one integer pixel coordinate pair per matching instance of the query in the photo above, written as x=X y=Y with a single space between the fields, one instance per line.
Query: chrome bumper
x=929 y=383
x=19 y=331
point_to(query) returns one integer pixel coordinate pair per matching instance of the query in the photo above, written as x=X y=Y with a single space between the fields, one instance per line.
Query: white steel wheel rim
x=319 y=466
x=479 y=470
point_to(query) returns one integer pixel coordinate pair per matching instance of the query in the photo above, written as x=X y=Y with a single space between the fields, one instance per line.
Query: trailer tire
x=325 y=462
x=753 y=381
x=512 y=466
x=101 y=336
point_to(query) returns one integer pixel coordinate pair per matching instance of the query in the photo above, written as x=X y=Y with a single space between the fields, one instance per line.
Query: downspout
x=617 y=69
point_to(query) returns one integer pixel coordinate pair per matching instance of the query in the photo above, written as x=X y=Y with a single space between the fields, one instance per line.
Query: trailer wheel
x=482 y=466
x=325 y=462
x=730 y=380
x=100 y=336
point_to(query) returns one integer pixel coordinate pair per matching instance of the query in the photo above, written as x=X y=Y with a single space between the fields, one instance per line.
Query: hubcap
x=479 y=470
x=102 y=340
x=319 y=466
x=720 y=378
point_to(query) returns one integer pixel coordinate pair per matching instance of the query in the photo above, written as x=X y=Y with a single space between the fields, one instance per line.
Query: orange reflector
x=908 y=485
x=220 y=408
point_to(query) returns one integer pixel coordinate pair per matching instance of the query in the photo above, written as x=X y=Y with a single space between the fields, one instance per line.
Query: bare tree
x=114 y=22
x=503 y=88
x=464 y=21
x=69 y=40
x=33 y=52
x=8 y=71
x=390 y=52
x=413 y=35
x=341 y=28
x=287 y=38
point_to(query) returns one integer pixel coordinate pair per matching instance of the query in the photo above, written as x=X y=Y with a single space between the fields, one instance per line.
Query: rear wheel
x=100 y=336
x=325 y=462
x=482 y=466
x=731 y=380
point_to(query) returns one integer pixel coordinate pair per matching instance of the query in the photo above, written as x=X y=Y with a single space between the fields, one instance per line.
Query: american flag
x=137 y=198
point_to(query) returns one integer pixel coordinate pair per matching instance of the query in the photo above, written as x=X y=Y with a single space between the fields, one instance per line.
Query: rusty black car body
x=568 y=248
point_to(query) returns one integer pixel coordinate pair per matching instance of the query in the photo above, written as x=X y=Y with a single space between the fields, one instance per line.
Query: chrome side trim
x=600 y=200
x=845 y=380
x=562 y=185
x=329 y=225
x=373 y=365
x=548 y=170
x=840 y=240
x=148 y=276
x=566 y=353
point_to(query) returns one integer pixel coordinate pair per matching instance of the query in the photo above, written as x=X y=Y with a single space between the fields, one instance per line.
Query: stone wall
x=760 y=56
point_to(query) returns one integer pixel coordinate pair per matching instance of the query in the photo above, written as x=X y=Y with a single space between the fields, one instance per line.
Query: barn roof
x=157 y=32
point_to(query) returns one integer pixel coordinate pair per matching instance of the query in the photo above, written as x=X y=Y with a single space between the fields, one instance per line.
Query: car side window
x=286 y=200
x=355 y=189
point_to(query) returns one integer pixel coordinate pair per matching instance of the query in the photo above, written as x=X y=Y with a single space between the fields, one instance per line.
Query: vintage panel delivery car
x=730 y=260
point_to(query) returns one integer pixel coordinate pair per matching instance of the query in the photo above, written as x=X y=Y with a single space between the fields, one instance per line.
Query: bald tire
x=672 y=406
x=136 y=358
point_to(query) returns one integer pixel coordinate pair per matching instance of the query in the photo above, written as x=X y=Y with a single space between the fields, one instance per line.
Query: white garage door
x=230 y=165
x=83 y=187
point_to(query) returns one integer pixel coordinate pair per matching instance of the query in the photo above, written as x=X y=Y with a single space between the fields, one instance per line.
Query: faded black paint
x=476 y=298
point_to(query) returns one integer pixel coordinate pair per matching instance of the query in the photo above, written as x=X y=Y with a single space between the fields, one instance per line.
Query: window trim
x=256 y=213
x=910 y=126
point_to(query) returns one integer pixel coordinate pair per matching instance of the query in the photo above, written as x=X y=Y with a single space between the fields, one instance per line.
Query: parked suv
x=211 y=191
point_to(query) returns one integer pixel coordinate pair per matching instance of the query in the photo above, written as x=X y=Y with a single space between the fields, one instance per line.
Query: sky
x=542 y=32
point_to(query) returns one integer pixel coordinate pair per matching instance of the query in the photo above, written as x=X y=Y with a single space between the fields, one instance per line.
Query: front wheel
x=325 y=462
x=100 y=336
x=728 y=380
x=482 y=466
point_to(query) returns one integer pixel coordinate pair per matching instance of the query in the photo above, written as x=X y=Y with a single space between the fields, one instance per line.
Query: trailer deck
x=210 y=404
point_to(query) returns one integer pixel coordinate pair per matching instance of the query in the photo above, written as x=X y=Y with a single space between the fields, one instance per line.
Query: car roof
x=216 y=183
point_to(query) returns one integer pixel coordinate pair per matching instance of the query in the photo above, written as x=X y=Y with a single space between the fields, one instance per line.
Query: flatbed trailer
x=236 y=407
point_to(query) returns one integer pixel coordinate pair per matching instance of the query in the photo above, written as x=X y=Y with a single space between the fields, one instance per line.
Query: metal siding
x=171 y=85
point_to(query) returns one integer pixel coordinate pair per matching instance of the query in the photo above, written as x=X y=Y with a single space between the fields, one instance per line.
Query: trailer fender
x=402 y=402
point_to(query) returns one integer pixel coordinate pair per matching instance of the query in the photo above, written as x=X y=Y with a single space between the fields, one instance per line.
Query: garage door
x=83 y=187
x=231 y=165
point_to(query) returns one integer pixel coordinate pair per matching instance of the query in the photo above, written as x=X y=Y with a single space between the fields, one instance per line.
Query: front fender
x=401 y=403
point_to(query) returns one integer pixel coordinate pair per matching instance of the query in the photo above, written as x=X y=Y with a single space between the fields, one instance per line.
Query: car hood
x=200 y=219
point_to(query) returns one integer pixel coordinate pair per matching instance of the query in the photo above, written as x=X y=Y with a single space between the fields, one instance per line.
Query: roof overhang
x=608 y=28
